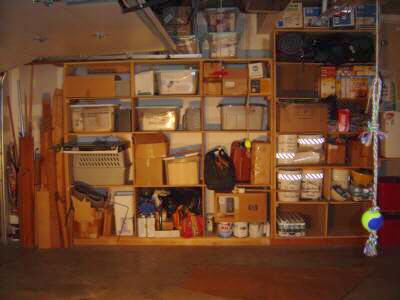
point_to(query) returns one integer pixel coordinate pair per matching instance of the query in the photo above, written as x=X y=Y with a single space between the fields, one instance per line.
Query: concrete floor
x=159 y=272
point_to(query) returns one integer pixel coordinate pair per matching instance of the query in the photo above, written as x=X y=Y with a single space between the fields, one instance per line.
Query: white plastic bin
x=93 y=117
x=155 y=118
x=289 y=182
x=311 y=184
x=179 y=82
x=223 y=44
x=233 y=116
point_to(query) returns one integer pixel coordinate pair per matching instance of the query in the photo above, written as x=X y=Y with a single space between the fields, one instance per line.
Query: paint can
x=267 y=229
x=241 y=229
x=225 y=229
x=256 y=230
x=151 y=226
x=210 y=223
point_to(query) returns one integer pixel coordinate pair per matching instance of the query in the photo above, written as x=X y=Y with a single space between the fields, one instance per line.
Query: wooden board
x=43 y=220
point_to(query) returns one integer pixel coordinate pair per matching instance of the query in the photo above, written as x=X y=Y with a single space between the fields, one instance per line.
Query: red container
x=389 y=194
x=343 y=120
x=389 y=234
x=241 y=158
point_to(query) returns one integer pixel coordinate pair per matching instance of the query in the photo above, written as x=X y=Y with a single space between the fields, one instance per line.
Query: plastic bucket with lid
x=225 y=229
x=287 y=148
x=311 y=184
x=241 y=229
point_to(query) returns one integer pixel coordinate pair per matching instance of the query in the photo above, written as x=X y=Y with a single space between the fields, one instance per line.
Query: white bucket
x=256 y=230
x=241 y=229
x=287 y=147
x=341 y=177
x=289 y=181
x=225 y=229
x=311 y=184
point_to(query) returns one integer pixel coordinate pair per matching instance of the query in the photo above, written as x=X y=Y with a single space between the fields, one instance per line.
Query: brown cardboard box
x=89 y=86
x=294 y=117
x=261 y=86
x=210 y=68
x=149 y=152
x=88 y=221
x=213 y=88
x=336 y=154
x=360 y=154
x=235 y=82
x=260 y=163
x=247 y=207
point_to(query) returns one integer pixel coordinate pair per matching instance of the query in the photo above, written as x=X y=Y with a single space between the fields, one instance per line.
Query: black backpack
x=219 y=171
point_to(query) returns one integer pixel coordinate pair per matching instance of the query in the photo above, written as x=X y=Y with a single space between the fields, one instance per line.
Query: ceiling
x=30 y=30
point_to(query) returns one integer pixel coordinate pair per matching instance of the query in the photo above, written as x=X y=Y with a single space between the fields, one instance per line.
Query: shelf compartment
x=345 y=220
x=314 y=215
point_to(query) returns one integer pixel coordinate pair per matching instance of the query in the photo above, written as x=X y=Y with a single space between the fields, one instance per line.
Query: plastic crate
x=101 y=169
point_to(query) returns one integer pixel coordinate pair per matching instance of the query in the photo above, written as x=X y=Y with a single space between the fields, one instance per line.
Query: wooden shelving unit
x=328 y=221
x=205 y=136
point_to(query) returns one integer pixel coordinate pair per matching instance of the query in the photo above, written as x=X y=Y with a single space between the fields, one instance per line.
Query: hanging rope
x=372 y=219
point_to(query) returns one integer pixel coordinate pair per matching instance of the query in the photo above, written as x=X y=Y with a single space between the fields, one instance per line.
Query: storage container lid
x=159 y=107
x=241 y=104
x=94 y=105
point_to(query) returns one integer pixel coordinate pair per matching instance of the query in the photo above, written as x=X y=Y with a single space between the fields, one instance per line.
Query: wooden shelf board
x=303 y=202
x=238 y=131
x=197 y=241
x=389 y=158
x=350 y=202
x=252 y=185
x=98 y=98
x=168 y=185
x=111 y=186
x=321 y=240
x=168 y=131
x=283 y=167
x=167 y=96
x=99 y=133
x=326 y=30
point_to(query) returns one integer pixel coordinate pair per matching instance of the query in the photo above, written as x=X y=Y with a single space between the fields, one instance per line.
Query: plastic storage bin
x=289 y=184
x=154 y=118
x=223 y=44
x=221 y=20
x=191 y=119
x=182 y=170
x=101 y=169
x=93 y=117
x=180 y=82
x=233 y=116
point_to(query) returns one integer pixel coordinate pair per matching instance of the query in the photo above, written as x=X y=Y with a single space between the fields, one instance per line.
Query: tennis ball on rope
x=372 y=220
x=247 y=143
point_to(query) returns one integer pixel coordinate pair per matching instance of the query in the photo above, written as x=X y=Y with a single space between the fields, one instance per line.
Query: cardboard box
x=360 y=155
x=391 y=126
x=260 y=163
x=235 y=82
x=90 y=86
x=211 y=68
x=88 y=221
x=292 y=16
x=182 y=170
x=366 y=15
x=328 y=81
x=150 y=149
x=294 y=117
x=247 y=207
x=260 y=86
x=312 y=17
x=336 y=154
x=213 y=88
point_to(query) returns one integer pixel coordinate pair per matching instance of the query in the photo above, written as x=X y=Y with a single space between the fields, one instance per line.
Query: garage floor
x=207 y=273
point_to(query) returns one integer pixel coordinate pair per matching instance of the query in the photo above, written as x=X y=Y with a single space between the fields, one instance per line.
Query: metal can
x=343 y=120
x=142 y=230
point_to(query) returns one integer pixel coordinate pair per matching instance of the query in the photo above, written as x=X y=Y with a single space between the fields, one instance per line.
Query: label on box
x=256 y=70
x=229 y=84
x=292 y=16
x=312 y=17
x=328 y=81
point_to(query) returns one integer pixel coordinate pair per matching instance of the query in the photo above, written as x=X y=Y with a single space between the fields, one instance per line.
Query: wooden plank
x=42 y=219
x=197 y=241
x=26 y=191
